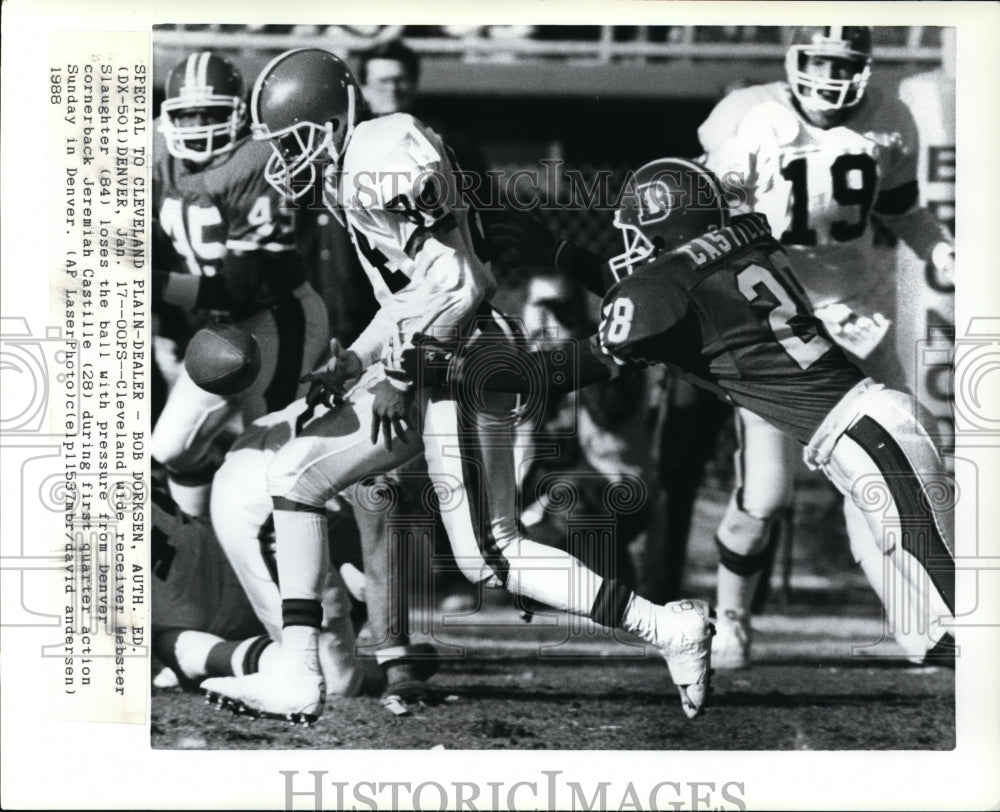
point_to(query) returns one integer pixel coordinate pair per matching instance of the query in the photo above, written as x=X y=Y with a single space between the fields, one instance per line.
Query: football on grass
x=222 y=359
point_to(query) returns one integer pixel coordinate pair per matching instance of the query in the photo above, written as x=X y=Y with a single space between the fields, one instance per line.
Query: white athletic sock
x=551 y=576
x=640 y=618
x=300 y=649
x=191 y=651
x=269 y=657
x=300 y=553
x=735 y=592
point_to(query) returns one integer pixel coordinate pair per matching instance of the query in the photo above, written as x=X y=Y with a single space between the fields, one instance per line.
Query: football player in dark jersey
x=231 y=256
x=714 y=298
x=830 y=161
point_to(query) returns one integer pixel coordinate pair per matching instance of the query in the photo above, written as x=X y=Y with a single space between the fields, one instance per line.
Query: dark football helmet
x=664 y=204
x=306 y=102
x=204 y=110
x=847 y=50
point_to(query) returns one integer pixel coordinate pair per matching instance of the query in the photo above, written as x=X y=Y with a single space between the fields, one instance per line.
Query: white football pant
x=875 y=452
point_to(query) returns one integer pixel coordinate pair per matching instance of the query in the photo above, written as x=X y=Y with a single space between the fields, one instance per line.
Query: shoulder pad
x=886 y=112
x=773 y=120
x=394 y=163
x=724 y=121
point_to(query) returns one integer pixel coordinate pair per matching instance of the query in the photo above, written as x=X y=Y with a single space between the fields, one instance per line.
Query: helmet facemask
x=306 y=152
x=638 y=249
x=201 y=142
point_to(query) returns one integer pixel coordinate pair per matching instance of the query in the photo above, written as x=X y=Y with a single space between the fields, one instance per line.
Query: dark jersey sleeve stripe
x=898 y=200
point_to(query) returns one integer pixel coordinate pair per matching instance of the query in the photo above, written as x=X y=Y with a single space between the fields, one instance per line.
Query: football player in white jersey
x=393 y=184
x=822 y=155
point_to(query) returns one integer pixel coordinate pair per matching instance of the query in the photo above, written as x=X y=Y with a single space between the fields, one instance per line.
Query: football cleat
x=343 y=672
x=401 y=698
x=296 y=698
x=731 y=645
x=166 y=678
x=943 y=653
x=684 y=638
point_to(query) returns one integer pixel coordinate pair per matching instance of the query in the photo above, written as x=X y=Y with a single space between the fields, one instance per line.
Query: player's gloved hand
x=391 y=409
x=943 y=260
x=857 y=334
x=519 y=238
x=334 y=377
x=429 y=360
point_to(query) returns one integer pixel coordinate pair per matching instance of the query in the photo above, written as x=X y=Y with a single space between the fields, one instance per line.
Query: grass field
x=806 y=692
x=819 y=681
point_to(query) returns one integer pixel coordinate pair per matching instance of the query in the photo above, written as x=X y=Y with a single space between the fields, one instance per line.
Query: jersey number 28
x=805 y=347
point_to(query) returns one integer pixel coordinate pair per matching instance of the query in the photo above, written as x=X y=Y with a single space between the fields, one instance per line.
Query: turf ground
x=805 y=692
x=818 y=682
x=823 y=678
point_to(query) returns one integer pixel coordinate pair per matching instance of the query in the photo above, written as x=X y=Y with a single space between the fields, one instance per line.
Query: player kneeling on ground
x=205 y=604
x=714 y=298
x=355 y=560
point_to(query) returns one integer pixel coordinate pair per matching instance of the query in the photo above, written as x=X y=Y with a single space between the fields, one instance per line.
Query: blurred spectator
x=389 y=74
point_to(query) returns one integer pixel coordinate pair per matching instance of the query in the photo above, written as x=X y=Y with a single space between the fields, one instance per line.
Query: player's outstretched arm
x=522 y=240
x=552 y=366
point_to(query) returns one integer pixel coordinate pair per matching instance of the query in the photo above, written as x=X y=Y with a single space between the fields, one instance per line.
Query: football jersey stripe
x=291 y=322
x=920 y=534
x=899 y=200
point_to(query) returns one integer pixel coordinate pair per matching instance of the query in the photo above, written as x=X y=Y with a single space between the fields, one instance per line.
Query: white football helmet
x=847 y=49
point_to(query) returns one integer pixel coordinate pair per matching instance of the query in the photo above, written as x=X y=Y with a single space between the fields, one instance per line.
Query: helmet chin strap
x=351 y=113
x=331 y=148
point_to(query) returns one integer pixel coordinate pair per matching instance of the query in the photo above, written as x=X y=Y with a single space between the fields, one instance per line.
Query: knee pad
x=292 y=478
x=741 y=533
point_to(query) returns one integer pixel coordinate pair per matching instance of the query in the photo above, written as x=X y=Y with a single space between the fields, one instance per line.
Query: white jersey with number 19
x=817 y=186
